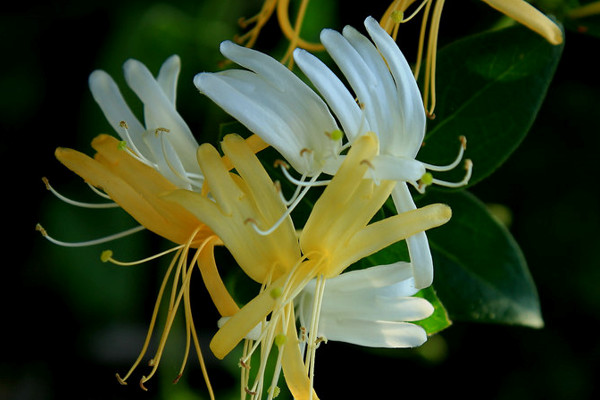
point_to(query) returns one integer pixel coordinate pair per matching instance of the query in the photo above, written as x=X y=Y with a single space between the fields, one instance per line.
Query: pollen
x=335 y=135
x=426 y=179
x=397 y=16
x=122 y=145
x=276 y=292
x=280 y=340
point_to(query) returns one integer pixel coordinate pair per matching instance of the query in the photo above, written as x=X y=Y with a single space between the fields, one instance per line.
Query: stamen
x=98 y=192
x=105 y=239
x=75 y=202
x=283 y=217
x=134 y=152
x=335 y=135
x=107 y=256
x=301 y=182
x=454 y=164
x=429 y=87
x=463 y=182
x=414 y=13
x=193 y=179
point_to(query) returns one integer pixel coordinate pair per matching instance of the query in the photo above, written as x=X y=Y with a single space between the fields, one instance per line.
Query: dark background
x=70 y=322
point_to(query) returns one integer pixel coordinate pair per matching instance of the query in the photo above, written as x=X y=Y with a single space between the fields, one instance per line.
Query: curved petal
x=383 y=334
x=412 y=130
x=396 y=168
x=168 y=76
x=160 y=112
x=358 y=74
x=335 y=93
x=418 y=245
x=110 y=100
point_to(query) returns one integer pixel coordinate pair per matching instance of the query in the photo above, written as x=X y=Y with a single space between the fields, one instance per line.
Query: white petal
x=293 y=90
x=389 y=113
x=408 y=91
x=368 y=278
x=418 y=245
x=374 y=333
x=357 y=72
x=396 y=168
x=159 y=112
x=168 y=76
x=334 y=92
x=108 y=96
x=236 y=100
x=374 y=306
x=276 y=105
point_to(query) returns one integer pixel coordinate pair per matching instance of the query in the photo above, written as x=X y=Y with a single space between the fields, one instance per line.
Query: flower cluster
x=359 y=142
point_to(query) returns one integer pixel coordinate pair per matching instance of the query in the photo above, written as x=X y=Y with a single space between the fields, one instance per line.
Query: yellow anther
x=46 y=182
x=122 y=145
x=159 y=130
x=368 y=163
x=106 y=255
x=41 y=229
x=121 y=381
x=144 y=379
x=305 y=150
x=281 y=163
x=463 y=142
x=123 y=124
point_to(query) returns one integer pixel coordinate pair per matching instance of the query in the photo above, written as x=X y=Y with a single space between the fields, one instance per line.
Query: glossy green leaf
x=489 y=88
x=480 y=271
x=439 y=320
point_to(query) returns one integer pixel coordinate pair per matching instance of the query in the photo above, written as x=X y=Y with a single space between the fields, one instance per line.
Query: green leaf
x=439 y=320
x=489 y=88
x=480 y=272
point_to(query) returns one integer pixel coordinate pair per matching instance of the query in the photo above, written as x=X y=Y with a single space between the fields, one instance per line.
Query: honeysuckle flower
x=391 y=107
x=370 y=307
x=336 y=234
x=277 y=106
x=135 y=173
x=519 y=10
x=164 y=141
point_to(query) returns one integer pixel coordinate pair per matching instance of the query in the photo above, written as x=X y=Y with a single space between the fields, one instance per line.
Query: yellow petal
x=381 y=234
x=324 y=229
x=293 y=365
x=135 y=187
x=213 y=282
x=524 y=13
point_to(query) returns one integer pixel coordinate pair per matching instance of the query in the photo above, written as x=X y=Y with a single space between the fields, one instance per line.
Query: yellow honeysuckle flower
x=519 y=10
x=336 y=235
x=138 y=189
x=153 y=158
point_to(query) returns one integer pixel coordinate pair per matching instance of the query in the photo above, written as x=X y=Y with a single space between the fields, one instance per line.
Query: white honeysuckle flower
x=390 y=105
x=164 y=141
x=276 y=105
x=372 y=307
